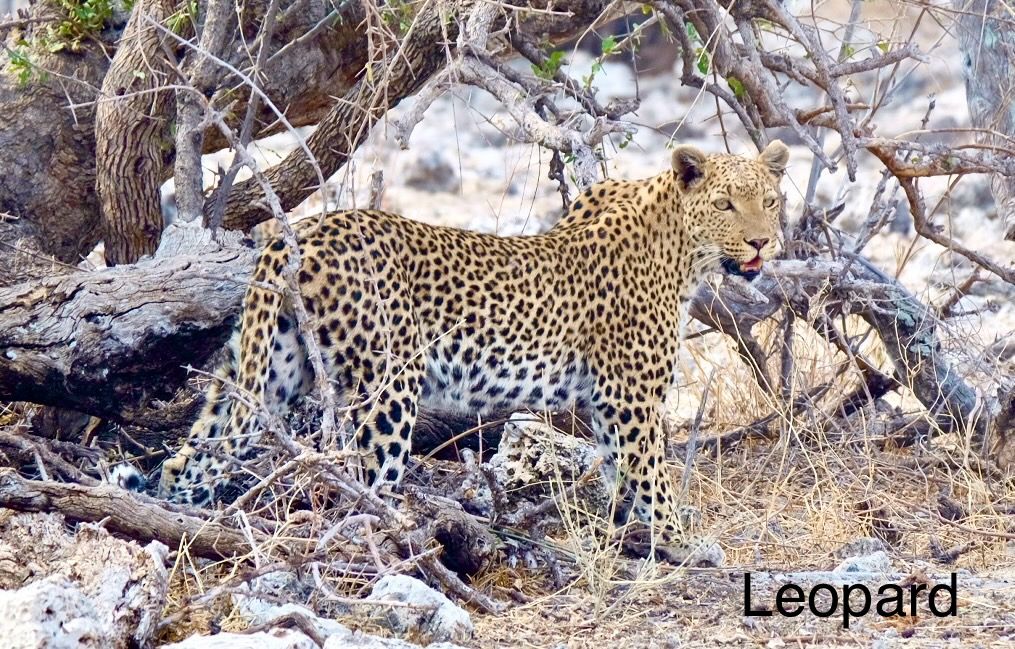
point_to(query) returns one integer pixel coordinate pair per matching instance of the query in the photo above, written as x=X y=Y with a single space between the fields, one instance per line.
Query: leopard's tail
x=227 y=430
x=178 y=473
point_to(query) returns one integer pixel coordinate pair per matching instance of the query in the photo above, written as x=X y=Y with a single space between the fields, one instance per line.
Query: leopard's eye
x=769 y=202
x=723 y=204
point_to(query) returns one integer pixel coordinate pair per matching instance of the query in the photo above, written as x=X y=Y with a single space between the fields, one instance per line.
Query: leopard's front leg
x=628 y=425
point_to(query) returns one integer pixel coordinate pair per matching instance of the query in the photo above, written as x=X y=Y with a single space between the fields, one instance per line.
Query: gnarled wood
x=47 y=150
x=986 y=33
x=318 y=53
x=110 y=342
x=132 y=126
x=126 y=514
x=422 y=52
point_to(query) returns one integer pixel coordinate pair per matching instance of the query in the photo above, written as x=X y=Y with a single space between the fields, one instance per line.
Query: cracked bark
x=987 y=38
x=113 y=342
x=48 y=188
x=48 y=209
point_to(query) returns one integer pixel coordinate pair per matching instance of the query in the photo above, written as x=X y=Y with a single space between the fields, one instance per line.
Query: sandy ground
x=778 y=508
x=707 y=610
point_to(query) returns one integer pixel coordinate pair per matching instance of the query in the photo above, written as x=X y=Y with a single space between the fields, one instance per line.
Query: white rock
x=51 y=613
x=356 y=640
x=430 y=615
x=274 y=639
x=876 y=562
x=257 y=612
x=83 y=590
x=278 y=638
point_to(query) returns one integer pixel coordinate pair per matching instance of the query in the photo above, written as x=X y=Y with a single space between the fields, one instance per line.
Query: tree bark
x=987 y=37
x=133 y=140
x=46 y=188
x=112 y=342
x=317 y=53
x=49 y=209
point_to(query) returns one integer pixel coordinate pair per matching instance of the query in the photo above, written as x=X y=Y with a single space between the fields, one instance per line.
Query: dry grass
x=791 y=504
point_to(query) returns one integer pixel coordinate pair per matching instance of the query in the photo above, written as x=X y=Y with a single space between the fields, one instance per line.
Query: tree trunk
x=133 y=138
x=47 y=184
x=306 y=67
x=316 y=53
x=49 y=209
x=987 y=39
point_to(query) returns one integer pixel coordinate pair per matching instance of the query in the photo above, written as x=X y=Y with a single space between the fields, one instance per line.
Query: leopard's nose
x=758 y=244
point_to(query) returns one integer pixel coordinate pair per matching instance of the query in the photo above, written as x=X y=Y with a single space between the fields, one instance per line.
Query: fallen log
x=126 y=514
x=111 y=342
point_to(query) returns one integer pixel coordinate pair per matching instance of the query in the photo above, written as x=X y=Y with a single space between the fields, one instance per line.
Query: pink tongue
x=753 y=264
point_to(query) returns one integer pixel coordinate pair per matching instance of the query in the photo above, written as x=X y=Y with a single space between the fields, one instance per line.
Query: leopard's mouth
x=746 y=269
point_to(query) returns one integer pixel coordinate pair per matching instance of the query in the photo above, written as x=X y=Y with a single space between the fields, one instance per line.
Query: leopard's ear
x=775 y=157
x=689 y=165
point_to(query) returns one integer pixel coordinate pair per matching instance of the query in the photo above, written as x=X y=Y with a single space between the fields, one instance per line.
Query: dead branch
x=126 y=514
x=113 y=341
x=538 y=119
x=192 y=119
x=907 y=326
x=40 y=448
x=414 y=534
x=421 y=54
x=317 y=53
x=346 y=125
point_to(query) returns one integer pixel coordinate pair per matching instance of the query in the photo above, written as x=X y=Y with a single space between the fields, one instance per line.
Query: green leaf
x=737 y=87
x=692 y=32
x=702 y=60
x=549 y=68
x=21 y=64
x=609 y=45
x=884 y=46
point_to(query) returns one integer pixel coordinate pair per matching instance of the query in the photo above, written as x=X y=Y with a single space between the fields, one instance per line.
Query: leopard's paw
x=677 y=549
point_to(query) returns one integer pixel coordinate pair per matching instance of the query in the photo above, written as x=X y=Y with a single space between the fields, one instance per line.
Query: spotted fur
x=586 y=315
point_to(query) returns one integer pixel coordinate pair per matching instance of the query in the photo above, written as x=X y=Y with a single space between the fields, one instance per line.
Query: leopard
x=587 y=315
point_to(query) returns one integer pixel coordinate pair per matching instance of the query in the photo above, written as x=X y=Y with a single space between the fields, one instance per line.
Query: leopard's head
x=731 y=205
